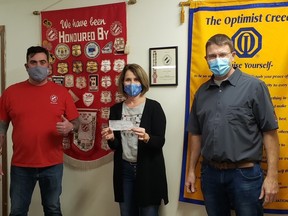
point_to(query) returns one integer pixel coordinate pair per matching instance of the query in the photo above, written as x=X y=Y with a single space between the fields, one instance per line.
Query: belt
x=229 y=165
x=131 y=163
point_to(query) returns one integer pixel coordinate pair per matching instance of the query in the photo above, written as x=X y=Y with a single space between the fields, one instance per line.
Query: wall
x=150 y=24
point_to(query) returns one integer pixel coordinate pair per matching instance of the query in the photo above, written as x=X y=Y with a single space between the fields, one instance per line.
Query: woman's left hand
x=140 y=132
x=142 y=135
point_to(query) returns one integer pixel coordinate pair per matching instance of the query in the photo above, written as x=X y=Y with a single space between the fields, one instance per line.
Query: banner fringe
x=85 y=165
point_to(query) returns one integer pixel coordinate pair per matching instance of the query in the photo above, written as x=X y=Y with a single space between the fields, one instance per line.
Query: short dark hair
x=139 y=72
x=220 y=40
x=31 y=51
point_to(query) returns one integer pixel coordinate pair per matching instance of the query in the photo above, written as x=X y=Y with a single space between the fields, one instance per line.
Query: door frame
x=4 y=149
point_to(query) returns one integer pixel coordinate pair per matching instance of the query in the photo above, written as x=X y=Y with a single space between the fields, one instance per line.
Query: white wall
x=151 y=23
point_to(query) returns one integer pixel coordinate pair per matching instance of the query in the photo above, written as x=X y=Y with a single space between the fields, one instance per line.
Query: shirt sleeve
x=193 y=125
x=4 y=115
x=264 y=109
x=71 y=110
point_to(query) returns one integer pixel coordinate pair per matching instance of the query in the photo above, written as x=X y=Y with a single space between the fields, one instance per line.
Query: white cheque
x=118 y=125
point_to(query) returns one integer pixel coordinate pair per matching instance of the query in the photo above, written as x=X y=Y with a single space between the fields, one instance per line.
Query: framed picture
x=163 y=68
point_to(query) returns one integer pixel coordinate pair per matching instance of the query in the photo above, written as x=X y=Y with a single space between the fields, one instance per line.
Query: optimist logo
x=247 y=42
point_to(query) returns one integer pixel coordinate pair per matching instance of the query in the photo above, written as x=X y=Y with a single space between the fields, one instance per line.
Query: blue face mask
x=38 y=74
x=133 y=89
x=220 y=66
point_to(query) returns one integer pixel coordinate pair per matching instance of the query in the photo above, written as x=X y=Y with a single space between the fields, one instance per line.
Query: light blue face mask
x=220 y=66
x=38 y=73
x=133 y=89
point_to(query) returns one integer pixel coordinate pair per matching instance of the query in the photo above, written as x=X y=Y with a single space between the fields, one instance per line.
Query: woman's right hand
x=107 y=134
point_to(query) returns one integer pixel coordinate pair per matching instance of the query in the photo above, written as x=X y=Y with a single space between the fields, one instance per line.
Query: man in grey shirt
x=232 y=117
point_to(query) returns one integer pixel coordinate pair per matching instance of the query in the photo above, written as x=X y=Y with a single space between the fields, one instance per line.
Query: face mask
x=220 y=66
x=133 y=89
x=38 y=74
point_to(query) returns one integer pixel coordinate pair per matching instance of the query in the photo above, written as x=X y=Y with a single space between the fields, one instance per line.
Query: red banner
x=87 y=54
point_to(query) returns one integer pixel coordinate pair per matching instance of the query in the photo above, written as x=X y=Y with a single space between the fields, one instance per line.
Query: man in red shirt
x=41 y=113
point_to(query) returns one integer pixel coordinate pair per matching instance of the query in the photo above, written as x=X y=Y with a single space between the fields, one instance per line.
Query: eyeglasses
x=214 y=56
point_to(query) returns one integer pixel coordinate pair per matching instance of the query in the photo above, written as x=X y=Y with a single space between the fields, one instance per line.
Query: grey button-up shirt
x=232 y=117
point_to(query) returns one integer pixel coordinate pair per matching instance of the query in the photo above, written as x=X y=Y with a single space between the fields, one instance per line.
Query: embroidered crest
x=58 y=80
x=77 y=67
x=85 y=137
x=76 y=50
x=92 y=50
x=119 y=97
x=88 y=99
x=107 y=48
x=81 y=82
x=106 y=81
x=105 y=65
x=62 y=68
x=118 y=65
x=119 y=45
x=91 y=66
x=62 y=51
x=93 y=82
x=105 y=111
x=116 y=28
x=69 y=81
x=106 y=97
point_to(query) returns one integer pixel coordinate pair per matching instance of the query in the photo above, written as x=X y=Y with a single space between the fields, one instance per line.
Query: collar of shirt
x=233 y=79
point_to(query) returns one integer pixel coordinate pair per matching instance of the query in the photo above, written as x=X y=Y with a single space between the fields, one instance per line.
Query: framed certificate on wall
x=163 y=68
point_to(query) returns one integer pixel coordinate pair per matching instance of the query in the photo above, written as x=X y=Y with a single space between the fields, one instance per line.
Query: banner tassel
x=182 y=15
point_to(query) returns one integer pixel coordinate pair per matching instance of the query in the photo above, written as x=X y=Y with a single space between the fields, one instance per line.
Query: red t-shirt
x=34 y=112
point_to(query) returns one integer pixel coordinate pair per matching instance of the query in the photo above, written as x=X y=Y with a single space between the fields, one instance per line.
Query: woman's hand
x=142 y=135
x=107 y=134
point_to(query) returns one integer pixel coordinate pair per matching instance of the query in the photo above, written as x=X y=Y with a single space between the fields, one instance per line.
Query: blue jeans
x=238 y=189
x=23 y=181
x=130 y=207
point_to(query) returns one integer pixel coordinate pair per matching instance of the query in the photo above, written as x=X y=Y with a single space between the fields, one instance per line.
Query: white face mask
x=38 y=73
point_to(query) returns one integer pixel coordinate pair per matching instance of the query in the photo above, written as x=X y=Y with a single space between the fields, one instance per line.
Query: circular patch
x=62 y=51
x=51 y=34
x=116 y=28
x=92 y=50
